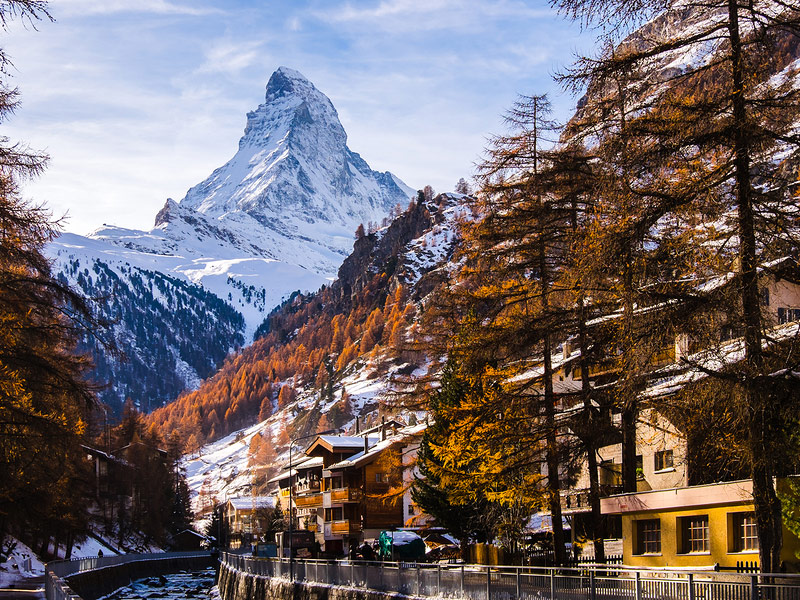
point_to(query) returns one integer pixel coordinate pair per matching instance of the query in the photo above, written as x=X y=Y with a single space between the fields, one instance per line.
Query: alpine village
x=575 y=375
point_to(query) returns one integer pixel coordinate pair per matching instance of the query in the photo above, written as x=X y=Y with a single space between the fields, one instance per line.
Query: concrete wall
x=91 y=585
x=235 y=585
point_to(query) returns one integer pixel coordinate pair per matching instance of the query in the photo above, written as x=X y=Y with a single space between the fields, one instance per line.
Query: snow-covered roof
x=699 y=365
x=341 y=443
x=362 y=458
x=308 y=462
x=250 y=502
x=390 y=424
x=305 y=462
x=701 y=286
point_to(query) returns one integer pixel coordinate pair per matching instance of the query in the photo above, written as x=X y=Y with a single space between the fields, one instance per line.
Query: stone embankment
x=236 y=585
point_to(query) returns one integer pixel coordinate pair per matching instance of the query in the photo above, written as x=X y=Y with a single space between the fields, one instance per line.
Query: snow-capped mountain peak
x=293 y=191
x=279 y=216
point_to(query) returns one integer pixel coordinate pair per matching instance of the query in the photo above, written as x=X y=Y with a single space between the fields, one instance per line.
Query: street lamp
x=291 y=495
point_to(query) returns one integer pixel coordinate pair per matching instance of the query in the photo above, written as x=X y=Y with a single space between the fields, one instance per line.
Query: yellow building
x=696 y=526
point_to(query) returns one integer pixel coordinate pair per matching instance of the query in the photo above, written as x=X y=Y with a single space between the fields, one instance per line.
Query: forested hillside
x=155 y=320
x=313 y=340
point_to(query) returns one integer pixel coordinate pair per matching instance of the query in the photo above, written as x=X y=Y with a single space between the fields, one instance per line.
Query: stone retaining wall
x=235 y=585
x=91 y=585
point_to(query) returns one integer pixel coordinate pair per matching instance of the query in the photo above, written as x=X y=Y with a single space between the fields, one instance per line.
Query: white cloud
x=226 y=56
x=106 y=7
x=294 y=24
x=408 y=15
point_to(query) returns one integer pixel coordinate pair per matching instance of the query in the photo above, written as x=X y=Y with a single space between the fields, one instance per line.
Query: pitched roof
x=362 y=458
x=340 y=443
x=250 y=502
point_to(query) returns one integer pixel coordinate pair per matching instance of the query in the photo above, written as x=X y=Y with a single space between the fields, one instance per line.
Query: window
x=639 y=467
x=334 y=514
x=648 y=536
x=745 y=534
x=765 y=296
x=663 y=460
x=694 y=534
x=381 y=478
x=787 y=315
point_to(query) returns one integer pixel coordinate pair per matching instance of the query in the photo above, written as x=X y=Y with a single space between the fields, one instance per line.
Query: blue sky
x=137 y=100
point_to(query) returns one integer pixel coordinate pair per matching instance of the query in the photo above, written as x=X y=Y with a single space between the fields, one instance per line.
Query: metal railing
x=478 y=582
x=55 y=572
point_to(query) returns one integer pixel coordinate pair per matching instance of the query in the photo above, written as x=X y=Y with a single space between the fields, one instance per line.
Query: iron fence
x=586 y=582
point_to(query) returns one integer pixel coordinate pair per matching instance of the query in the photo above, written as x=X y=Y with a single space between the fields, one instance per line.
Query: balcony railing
x=312 y=501
x=578 y=500
x=306 y=486
x=346 y=495
x=346 y=527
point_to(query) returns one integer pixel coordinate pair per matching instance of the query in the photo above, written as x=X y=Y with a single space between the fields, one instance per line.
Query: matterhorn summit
x=278 y=217
x=294 y=191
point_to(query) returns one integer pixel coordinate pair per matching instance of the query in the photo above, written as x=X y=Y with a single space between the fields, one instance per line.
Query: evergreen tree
x=468 y=515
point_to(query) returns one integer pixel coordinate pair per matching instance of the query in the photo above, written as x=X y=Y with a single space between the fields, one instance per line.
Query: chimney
x=383 y=428
x=358 y=429
x=366 y=443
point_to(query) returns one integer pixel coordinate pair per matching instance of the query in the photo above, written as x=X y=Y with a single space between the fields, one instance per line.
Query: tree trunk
x=766 y=503
x=553 y=480
x=629 y=389
x=597 y=531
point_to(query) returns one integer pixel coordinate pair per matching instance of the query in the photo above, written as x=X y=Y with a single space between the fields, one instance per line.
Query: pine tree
x=469 y=516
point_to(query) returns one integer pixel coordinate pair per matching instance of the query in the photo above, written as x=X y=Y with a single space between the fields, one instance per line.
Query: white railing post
x=552 y=583
x=638 y=585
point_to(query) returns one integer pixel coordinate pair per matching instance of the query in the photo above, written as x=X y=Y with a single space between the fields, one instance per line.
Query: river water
x=197 y=585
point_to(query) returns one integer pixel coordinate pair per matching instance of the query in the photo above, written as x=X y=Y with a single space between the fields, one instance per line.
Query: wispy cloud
x=107 y=7
x=227 y=56
x=137 y=100
x=432 y=14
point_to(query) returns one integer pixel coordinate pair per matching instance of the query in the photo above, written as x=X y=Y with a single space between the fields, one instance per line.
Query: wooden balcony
x=307 y=486
x=346 y=495
x=312 y=501
x=345 y=528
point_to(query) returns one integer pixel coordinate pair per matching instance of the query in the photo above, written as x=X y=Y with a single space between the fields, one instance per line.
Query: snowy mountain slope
x=420 y=244
x=277 y=218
